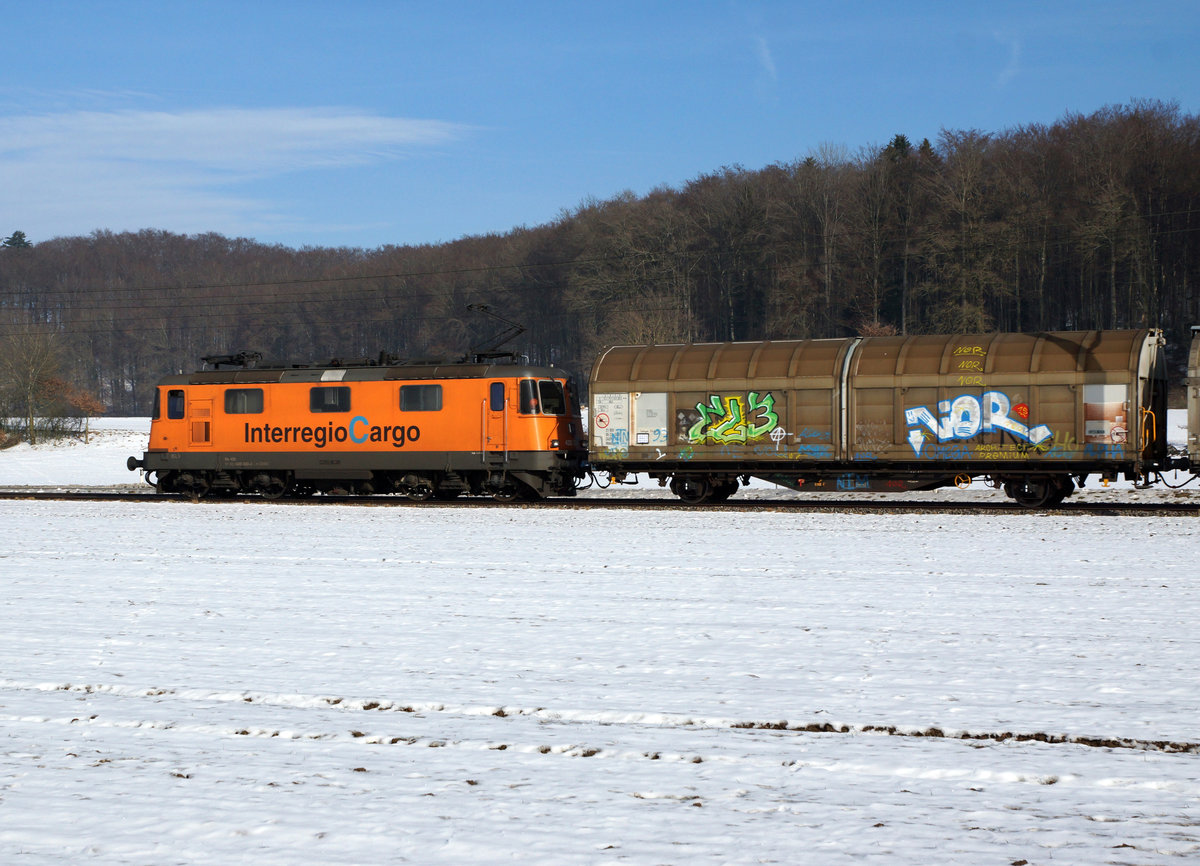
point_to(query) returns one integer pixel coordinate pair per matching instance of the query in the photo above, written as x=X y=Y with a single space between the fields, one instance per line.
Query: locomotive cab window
x=496 y=397
x=553 y=401
x=329 y=399
x=420 y=398
x=244 y=401
x=542 y=397
x=175 y=404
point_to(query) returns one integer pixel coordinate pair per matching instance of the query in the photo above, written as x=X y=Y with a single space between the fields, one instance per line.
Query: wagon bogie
x=1038 y=491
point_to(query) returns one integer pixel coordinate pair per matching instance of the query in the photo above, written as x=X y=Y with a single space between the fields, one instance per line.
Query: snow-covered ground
x=279 y=684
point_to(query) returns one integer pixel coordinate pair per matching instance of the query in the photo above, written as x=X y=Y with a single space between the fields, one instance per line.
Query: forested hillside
x=1093 y=222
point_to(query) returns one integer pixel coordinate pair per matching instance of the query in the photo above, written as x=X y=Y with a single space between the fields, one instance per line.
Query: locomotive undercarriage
x=530 y=477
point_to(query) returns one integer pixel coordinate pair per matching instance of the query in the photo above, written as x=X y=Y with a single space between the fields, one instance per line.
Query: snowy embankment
x=240 y=681
x=100 y=462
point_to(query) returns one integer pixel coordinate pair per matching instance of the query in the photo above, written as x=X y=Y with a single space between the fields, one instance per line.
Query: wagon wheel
x=723 y=491
x=1061 y=489
x=690 y=490
x=1036 y=492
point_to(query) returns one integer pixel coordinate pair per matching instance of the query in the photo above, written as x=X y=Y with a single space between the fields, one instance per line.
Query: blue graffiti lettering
x=1103 y=451
x=965 y=417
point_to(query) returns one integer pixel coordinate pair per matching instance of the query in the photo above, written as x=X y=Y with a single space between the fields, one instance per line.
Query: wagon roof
x=821 y=361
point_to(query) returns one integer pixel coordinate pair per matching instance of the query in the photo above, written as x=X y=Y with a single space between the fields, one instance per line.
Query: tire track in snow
x=644 y=719
x=720 y=757
x=574 y=750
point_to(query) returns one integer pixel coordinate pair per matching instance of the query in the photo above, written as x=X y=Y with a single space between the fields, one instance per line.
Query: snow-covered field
x=280 y=684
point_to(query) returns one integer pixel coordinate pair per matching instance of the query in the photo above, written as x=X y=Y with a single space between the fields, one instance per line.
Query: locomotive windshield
x=544 y=397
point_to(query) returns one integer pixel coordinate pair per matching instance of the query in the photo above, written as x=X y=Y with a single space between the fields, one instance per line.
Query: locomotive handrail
x=483 y=431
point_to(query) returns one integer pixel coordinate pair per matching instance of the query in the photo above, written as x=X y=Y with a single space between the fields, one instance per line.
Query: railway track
x=818 y=504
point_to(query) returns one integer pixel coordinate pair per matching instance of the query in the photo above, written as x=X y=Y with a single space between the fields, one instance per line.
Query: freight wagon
x=1035 y=414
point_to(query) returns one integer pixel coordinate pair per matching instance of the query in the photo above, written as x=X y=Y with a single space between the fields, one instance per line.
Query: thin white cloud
x=1013 y=67
x=73 y=172
x=765 y=59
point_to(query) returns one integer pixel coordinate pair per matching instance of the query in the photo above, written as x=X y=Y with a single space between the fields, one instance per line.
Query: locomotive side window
x=420 y=398
x=244 y=401
x=553 y=401
x=529 y=403
x=175 y=404
x=329 y=399
x=496 y=397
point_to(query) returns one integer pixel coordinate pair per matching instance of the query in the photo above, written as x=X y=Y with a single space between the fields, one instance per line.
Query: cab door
x=496 y=419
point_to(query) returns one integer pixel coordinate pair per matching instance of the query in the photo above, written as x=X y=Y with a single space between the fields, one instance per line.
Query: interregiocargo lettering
x=359 y=430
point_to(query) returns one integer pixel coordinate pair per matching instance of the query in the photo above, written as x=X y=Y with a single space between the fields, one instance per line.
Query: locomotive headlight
x=553 y=443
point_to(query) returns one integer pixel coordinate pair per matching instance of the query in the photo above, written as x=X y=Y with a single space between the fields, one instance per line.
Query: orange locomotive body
x=421 y=430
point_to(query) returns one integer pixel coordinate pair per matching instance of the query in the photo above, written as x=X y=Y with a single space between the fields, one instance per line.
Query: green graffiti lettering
x=725 y=421
x=697 y=432
x=733 y=427
x=765 y=408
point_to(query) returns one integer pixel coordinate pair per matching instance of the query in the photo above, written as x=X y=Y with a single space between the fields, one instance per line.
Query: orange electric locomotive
x=379 y=426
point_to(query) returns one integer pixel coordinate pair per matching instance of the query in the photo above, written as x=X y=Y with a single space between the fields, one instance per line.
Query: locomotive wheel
x=507 y=489
x=507 y=493
x=196 y=486
x=691 y=490
x=276 y=487
x=420 y=493
x=417 y=488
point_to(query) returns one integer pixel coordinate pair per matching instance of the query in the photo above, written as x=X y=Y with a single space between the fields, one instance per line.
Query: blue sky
x=371 y=123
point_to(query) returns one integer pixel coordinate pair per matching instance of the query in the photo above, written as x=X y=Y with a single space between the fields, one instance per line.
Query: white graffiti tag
x=966 y=416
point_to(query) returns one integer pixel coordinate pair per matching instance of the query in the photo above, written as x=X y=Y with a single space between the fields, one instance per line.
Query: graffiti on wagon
x=732 y=419
x=967 y=416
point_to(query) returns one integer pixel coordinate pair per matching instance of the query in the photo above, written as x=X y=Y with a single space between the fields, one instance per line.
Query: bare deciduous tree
x=29 y=363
